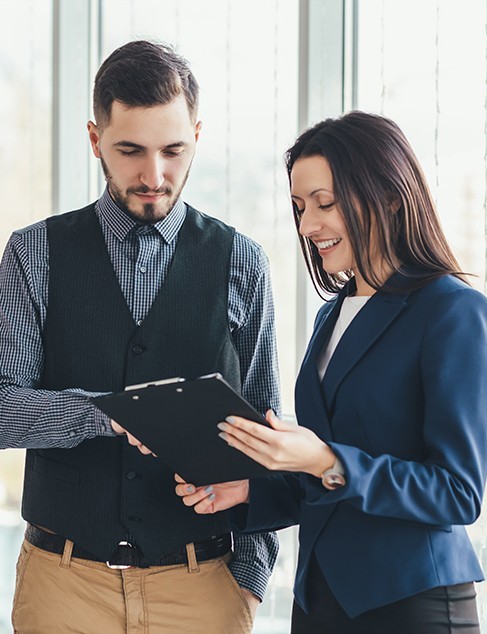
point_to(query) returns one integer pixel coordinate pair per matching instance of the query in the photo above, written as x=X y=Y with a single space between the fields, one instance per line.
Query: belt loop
x=66 y=558
x=192 y=561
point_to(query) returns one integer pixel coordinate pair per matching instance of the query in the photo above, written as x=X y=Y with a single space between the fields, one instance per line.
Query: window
x=25 y=168
x=245 y=58
x=267 y=69
x=424 y=65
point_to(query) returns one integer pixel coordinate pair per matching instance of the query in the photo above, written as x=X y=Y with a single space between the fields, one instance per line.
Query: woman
x=389 y=460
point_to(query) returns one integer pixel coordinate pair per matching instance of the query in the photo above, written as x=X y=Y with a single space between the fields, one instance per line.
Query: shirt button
x=143 y=269
x=131 y=475
x=137 y=349
x=73 y=433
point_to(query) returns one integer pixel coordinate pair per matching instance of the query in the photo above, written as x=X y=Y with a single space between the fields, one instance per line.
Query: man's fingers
x=118 y=429
x=145 y=450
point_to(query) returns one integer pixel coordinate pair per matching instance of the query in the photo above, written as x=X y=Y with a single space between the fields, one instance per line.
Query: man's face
x=146 y=154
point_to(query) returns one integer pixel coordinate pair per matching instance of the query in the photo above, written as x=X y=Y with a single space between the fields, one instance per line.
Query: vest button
x=131 y=475
x=137 y=349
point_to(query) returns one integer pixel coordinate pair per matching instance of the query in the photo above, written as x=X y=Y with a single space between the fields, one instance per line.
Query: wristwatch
x=334 y=477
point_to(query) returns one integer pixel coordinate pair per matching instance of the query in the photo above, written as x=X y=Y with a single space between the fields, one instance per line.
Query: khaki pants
x=64 y=595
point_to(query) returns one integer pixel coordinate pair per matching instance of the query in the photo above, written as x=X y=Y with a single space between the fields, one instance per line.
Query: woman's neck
x=363 y=288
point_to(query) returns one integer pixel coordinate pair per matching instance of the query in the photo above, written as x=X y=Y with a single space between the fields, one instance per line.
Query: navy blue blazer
x=403 y=404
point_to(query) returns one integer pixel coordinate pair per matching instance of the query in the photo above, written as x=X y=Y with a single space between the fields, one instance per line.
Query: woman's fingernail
x=212 y=497
x=231 y=419
x=222 y=426
x=189 y=489
x=223 y=435
x=208 y=489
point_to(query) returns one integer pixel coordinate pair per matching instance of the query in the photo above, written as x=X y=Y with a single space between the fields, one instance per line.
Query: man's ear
x=94 y=135
x=197 y=130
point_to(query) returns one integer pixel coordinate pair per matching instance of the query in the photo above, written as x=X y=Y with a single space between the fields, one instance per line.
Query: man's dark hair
x=144 y=74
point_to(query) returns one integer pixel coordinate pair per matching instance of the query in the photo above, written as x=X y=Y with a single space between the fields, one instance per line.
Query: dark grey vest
x=104 y=490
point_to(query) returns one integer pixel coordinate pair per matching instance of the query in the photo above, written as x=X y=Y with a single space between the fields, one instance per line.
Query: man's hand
x=118 y=429
x=252 y=600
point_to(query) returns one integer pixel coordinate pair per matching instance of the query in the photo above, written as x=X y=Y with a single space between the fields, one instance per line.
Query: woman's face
x=321 y=221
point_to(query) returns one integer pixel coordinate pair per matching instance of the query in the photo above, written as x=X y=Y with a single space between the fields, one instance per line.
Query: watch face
x=333 y=480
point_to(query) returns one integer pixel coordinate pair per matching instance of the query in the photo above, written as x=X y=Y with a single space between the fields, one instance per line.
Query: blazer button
x=131 y=475
x=137 y=349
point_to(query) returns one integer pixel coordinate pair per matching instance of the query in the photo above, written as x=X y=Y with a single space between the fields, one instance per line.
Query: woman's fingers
x=184 y=489
x=276 y=423
x=246 y=431
x=192 y=499
x=200 y=498
x=252 y=447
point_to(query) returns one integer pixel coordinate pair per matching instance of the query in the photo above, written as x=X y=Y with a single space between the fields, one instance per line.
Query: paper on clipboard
x=177 y=419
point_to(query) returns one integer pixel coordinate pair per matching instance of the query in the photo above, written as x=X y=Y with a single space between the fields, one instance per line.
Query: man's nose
x=152 y=174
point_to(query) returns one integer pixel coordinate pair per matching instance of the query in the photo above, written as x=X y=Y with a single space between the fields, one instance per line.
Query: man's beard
x=150 y=213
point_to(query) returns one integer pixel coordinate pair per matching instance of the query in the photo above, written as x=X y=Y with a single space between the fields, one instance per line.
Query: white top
x=349 y=310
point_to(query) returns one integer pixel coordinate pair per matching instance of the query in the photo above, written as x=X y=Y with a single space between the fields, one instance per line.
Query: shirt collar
x=120 y=224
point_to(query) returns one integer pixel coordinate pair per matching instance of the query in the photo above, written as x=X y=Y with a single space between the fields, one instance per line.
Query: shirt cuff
x=253 y=561
x=103 y=426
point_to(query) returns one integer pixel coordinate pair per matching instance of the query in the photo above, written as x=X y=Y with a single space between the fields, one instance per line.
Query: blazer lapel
x=310 y=405
x=369 y=324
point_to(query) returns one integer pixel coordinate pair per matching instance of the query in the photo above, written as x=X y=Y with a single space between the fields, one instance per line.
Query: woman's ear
x=393 y=201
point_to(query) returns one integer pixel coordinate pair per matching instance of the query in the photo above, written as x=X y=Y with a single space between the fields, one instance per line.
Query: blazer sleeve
x=447 y=488
x=274 y=503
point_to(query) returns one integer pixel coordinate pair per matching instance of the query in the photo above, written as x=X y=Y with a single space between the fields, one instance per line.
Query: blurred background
x=267 y=69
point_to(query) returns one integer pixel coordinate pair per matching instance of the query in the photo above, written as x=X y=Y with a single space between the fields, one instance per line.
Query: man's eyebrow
x=136 y=146
x=128 y=144
x=175 y=145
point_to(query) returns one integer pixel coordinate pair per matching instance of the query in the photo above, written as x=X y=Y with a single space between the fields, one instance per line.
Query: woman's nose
x=308 y=224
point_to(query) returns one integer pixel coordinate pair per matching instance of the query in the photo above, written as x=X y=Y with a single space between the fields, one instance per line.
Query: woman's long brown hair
x=378 y=183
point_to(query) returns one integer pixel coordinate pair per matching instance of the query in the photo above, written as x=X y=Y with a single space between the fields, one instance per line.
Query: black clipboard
x=177 y=419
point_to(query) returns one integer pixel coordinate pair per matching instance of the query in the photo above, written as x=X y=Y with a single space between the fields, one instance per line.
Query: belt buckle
x=120 y=566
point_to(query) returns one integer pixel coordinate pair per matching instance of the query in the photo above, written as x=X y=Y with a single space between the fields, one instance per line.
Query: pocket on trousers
x=237 y=589
x=22 y=561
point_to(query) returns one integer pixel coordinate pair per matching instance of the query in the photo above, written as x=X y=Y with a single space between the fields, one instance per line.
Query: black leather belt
x=208 y=549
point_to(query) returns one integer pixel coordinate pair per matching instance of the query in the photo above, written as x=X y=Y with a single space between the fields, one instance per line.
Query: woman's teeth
x=326 y=244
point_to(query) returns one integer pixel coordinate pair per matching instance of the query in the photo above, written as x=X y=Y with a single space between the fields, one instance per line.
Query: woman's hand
x=283 y=447
x=212 y=498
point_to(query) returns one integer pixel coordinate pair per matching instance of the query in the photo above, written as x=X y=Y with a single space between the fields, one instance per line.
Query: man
x=137 y=287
